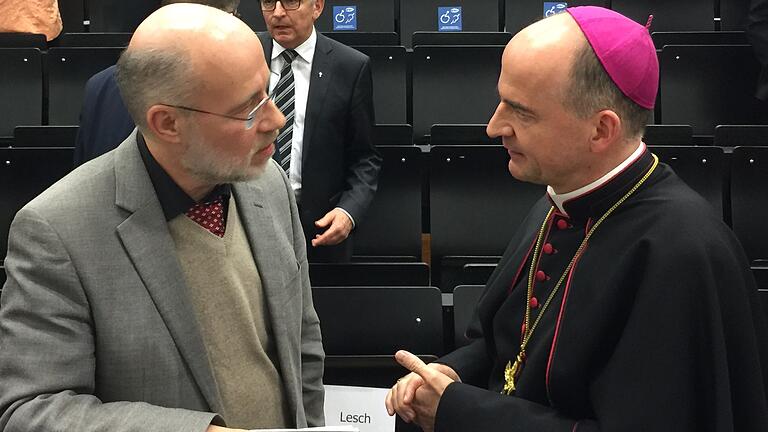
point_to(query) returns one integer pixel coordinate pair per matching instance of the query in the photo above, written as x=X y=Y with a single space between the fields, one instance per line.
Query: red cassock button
x=534 y=303
x=541 y=276
x=562 y=224
x=548 y=249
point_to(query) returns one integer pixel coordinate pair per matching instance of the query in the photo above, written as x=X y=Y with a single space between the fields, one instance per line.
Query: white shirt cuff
x=348 y=215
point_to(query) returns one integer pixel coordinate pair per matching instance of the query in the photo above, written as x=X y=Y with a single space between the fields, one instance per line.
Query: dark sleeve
x=757 y=29
x=362 y=160
x=687 y=358
x=82 y=150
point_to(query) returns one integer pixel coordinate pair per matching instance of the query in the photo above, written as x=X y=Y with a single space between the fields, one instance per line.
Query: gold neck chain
x=512 y=370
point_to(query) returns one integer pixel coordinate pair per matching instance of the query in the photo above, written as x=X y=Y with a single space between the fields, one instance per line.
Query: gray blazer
x=96 y=330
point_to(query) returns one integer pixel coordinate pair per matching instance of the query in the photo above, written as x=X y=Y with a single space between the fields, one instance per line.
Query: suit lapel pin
x=320 y=74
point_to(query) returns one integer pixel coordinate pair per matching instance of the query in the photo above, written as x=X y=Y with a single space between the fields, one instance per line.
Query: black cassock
x=656 y=328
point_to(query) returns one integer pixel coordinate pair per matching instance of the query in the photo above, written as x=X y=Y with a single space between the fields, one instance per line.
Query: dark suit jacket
x=340 y=165
x=104 y=120
x=757 y=32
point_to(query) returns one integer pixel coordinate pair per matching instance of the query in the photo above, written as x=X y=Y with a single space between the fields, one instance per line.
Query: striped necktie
x=285 y=99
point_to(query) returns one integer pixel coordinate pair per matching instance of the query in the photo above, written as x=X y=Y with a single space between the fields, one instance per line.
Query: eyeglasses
x=269 y=5
x=249 y=120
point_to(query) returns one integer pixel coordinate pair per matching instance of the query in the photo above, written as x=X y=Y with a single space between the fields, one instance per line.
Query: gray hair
x=591 y=90
x=225 y=5
x=151 y=76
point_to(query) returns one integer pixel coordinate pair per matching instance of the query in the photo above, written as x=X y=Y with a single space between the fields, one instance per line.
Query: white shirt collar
x=305 y=51
x=559 y=199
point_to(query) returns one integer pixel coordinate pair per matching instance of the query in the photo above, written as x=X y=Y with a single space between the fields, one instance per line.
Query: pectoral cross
x=512 y=373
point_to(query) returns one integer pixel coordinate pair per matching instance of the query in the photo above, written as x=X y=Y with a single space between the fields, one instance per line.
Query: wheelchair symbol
x=343 y=18
x=555 y=9
x=451 y=16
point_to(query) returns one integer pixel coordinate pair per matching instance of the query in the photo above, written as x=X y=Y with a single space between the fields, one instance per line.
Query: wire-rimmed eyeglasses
x=269 y=5
x=249 y=119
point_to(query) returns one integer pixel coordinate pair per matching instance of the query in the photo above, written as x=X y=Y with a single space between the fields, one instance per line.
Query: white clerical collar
x=306 y=50
x=559 y=199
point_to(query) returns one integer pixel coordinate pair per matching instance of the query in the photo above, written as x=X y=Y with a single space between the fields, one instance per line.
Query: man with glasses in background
x=104 y=121
x=325 y=91
x=164 y=286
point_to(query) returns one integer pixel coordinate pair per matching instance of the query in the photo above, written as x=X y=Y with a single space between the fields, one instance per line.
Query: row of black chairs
x=701 y=85
x=406 y=17
x=474 y=206
x=378 y=319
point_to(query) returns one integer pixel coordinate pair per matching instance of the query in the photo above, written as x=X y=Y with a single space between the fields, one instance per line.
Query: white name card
x=360 y=407
x=312 y=429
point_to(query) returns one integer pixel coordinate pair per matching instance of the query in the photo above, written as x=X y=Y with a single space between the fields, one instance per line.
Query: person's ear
x=163 y=122
x=318 y=9
x=608 y=129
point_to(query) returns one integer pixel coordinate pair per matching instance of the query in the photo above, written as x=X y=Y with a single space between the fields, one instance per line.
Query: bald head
x=229 y=6
x=567 y=65
x=181 y=50
x=549 y=46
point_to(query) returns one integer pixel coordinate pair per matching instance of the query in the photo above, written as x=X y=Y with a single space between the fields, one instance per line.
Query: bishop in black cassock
x=623 y=303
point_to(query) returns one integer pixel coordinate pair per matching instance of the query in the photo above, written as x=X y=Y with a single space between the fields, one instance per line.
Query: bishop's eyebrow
x=519 y=107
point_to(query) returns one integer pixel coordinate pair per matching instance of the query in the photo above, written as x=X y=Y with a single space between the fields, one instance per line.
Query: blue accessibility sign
x=344 y=18
x=449 y=18
x=554 y=8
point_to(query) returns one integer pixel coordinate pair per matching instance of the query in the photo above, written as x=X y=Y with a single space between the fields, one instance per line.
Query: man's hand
x=338 y=226
x=213 y=428
x=415 y=396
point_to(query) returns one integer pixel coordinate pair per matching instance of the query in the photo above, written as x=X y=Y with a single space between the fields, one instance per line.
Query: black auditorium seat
x=454 y=85
x=392 y=225
x=73 y=15
x=389 y=67
x=357 y=16
x=103 y=40
x=461 y=134
x=702 y=168
x=762 y=294
x=761 y=275
x=521 y=13
x=45 y=136
x=461 y=38
x=477 y=273
x=68 y=71
x=120 y=15
x=380 y=320
x=749 y=186
x=23 y=40
x=741 y=135
x=354 y=39
x=366 y=371
x=24 y=173
x=709 y=85
x=21 y=88
x=668 y=15
x=663 y=135
x=466 y=15
x=393 y=135
x=368 y=274
x=465 y=299
x=660 y=39
x=475 y=204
